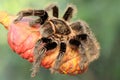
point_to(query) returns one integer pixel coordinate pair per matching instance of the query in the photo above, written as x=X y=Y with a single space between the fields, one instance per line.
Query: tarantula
x=60 y=32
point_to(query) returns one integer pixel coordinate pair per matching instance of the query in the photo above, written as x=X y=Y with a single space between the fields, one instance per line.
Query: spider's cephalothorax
x=55 y=27
x=60 y=33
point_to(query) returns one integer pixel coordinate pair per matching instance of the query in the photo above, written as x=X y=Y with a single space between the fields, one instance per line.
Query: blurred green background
x=103 y=17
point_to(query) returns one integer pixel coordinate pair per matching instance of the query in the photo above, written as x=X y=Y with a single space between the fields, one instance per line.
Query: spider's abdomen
x=61 y=27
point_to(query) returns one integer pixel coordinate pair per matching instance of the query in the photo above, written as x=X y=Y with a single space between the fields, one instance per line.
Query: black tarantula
x=59 y=32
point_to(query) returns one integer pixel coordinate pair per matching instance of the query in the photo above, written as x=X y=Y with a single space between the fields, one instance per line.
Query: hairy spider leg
x=83 y=50
x=68 y=14
x=40 y=13
x=36 y=63
x=54 y=9
x=79 y=41
x=93 y=48
x=59 y=57
x=38 y=43
x=40 y=53
x=76 y=26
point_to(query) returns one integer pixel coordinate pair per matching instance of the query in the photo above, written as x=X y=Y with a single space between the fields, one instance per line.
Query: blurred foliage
x=103 y=17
